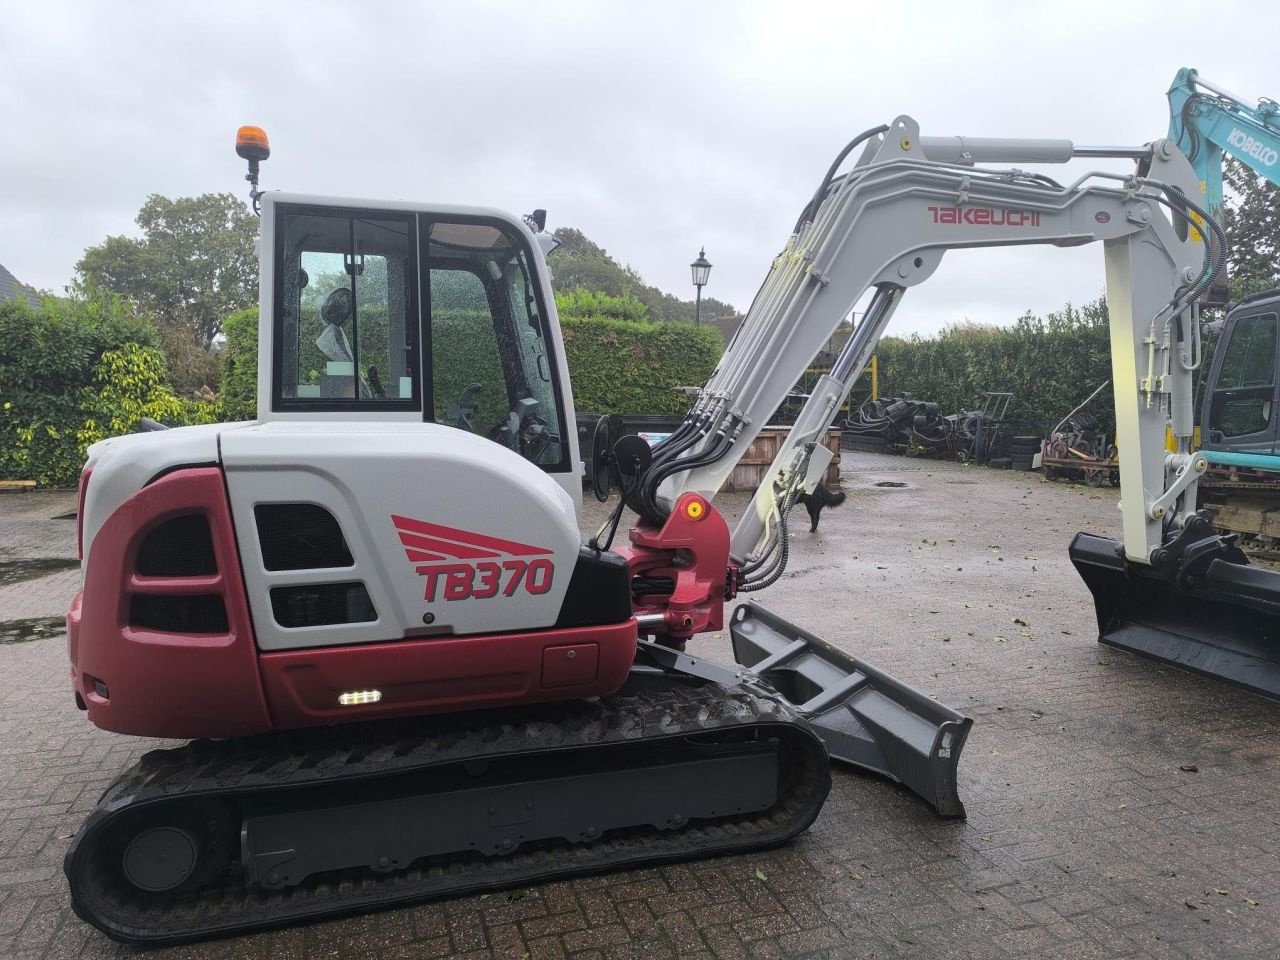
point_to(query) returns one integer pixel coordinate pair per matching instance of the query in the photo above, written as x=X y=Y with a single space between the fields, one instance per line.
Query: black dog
x=814 y=502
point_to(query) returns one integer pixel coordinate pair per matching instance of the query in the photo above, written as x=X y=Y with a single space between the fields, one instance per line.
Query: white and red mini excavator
x=404 y=672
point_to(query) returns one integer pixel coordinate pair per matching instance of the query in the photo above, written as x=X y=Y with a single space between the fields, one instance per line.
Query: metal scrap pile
x=898 y=424
x=916 y=428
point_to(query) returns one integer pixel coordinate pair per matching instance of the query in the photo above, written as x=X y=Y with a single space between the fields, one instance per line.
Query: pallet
x=22 y=485
x=1094 y=472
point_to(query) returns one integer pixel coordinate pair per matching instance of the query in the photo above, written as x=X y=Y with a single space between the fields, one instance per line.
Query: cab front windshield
x=490 y=368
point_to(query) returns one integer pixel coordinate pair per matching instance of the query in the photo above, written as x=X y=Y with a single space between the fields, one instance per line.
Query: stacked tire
x=1022 y=452
x=864 y=443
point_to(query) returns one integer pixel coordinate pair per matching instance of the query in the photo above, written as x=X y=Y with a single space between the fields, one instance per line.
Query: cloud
x=656 y=128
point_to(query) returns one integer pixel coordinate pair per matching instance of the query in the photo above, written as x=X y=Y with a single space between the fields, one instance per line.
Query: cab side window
x=346 y=312
x=1245 y=393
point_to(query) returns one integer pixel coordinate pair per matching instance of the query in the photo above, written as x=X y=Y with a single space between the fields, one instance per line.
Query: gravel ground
x=1116 y=808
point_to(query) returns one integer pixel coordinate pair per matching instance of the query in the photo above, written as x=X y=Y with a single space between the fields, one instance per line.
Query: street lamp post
x=701 y=270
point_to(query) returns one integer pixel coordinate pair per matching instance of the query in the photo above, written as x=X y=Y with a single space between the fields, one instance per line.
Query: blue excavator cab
x=1240 y=416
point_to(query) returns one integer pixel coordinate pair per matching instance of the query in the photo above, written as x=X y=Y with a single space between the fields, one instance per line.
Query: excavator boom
x=882 y=227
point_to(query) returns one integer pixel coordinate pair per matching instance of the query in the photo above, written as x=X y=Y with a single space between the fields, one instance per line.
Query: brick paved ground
x=1084 y=838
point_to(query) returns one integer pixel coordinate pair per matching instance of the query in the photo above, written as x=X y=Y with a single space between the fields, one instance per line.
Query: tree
x=1252 y=222
x=48 y=359
x=580 y=264
x=193 y=265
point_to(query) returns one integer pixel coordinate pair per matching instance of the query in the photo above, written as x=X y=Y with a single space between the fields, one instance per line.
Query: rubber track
x=648 y=709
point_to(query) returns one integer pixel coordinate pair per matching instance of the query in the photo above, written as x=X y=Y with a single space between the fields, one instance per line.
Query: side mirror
x=599 y=466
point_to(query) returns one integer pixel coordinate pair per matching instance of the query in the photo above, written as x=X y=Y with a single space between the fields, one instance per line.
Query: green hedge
x=240 y=365
x=623 y=367
x=590 y=304
x=1050 y=364
x=616 y=366
x=465 y=351
x=71 y=373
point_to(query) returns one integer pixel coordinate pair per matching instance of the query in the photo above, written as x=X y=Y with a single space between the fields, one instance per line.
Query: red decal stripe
x=421 y=556
x=460 y=551
x=513 y=547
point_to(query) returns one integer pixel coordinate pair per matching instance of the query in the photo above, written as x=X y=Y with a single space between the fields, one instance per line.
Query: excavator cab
x=414 y=314
x=1239 y=415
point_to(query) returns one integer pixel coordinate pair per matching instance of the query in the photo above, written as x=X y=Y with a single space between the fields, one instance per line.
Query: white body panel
x=365 y=474
x=124 y=465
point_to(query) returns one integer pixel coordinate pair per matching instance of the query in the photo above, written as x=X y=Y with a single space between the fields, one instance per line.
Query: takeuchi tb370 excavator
x=408 y=674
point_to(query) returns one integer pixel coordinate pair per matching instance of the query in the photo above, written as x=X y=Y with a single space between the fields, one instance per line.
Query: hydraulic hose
x=780 y=565
x=812 y=206
x=687 y=425
x=709 y=456
x=1214 y=255
x=641 y=495
x=781 y=546
x=648 y=506
x=656 y=473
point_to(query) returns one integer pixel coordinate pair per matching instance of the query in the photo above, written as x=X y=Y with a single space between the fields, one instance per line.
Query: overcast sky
x=654 y=127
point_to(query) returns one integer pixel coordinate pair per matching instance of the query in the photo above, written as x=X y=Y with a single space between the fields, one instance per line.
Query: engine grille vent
x=300 y=536
x=195 y=614
x=179 y=547
x=319 y=604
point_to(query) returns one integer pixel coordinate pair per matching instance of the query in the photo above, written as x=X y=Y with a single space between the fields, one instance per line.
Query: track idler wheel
x=173 y=853
x=161 y=859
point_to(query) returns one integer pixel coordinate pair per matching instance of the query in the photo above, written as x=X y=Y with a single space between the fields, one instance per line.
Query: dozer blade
x=865 y=716
x=1227 y=626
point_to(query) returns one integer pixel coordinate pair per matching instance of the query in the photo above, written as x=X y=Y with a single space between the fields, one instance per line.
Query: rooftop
x=11 y=288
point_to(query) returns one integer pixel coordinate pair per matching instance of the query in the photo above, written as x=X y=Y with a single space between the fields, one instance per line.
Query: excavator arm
x=1206 y=121
x=883 y=227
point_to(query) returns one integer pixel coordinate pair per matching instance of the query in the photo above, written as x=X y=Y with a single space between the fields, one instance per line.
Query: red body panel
x=447 y=673
x=692 y=548
x=165 y=684
x=184 y=685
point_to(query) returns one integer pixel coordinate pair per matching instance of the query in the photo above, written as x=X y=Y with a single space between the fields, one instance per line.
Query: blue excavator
x=1240 y=429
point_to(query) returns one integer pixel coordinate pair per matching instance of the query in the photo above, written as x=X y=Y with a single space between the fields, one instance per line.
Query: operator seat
x=336 y=312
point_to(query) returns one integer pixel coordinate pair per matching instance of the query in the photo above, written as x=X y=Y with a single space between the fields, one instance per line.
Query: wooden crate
x=751 y=468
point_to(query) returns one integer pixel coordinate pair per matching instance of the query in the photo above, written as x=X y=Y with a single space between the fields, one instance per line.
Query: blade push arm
x=883 y=227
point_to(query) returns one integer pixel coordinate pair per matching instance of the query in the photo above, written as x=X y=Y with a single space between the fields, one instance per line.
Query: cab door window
x=1244 y=396
x=491 y=366
x=346 y=312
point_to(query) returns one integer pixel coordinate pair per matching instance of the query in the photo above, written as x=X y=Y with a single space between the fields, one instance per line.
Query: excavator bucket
x=1226 y=625
x=866 y=717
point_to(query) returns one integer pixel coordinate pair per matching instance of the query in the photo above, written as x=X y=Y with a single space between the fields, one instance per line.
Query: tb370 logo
x=461 y=565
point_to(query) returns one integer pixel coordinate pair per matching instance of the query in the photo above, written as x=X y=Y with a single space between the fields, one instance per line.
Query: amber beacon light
x=252 y=144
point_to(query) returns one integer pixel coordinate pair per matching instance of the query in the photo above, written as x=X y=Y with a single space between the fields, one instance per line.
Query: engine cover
x=434 y=531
